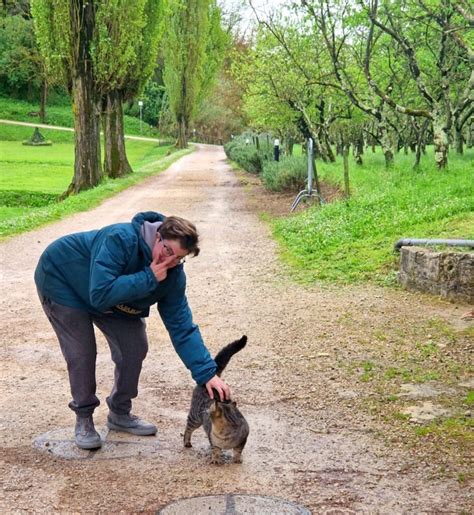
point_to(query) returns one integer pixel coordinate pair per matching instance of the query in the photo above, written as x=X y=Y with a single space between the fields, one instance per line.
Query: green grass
x=453 y=427
x=32 y=178
x=19 y=133
x=350 y=242
x=470 y=398
x=61 y=115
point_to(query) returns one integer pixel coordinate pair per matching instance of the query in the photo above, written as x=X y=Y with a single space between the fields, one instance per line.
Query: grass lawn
x=61 y=115
x=353 y=241
x=32 y=178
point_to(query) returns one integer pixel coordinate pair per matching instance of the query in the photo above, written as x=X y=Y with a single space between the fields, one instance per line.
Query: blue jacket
x=108 y=271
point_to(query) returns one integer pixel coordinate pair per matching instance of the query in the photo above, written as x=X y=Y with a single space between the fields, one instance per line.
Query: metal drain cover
x=60 y=442
x=233 y=504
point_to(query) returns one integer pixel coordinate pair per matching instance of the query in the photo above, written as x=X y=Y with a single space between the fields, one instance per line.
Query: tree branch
x=373 y=84
x=408 y=51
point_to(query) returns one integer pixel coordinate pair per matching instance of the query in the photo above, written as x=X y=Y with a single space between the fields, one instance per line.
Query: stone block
x=448 y=273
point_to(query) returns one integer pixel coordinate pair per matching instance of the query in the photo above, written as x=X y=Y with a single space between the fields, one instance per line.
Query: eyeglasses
x=170 y=252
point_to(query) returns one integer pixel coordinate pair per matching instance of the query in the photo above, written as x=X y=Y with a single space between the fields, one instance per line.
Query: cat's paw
x=187 y=444
x=216 y=456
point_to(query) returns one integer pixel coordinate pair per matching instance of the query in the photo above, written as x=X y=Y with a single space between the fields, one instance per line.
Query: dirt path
x=308 y=442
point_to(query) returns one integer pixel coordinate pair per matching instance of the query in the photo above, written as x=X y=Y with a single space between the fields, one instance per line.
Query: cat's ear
x=234 y=404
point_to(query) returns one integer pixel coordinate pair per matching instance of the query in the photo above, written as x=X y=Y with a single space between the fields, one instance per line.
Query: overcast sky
x=262 y=7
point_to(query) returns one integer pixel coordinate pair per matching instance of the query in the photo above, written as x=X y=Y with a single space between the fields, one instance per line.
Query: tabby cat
x=224 y=424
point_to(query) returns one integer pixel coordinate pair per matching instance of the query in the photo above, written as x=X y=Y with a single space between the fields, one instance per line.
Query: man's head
x=176 y=236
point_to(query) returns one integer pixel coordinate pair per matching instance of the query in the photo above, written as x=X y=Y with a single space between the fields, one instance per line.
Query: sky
x=262 y=7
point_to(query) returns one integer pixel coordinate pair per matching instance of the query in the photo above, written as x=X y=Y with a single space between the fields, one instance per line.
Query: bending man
x=109 y=278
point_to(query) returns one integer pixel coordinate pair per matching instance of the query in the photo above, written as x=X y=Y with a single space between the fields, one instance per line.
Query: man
x=109 y=278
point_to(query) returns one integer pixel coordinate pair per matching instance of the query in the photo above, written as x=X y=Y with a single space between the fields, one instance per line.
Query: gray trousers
x=128 y=344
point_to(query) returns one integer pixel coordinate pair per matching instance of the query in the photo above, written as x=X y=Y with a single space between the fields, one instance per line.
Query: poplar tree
x=124 y=55
x=65 y=32
x=103 y=52
x=195 y=44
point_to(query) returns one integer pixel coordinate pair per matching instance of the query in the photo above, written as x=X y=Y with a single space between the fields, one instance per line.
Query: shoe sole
x=132 y=430
x=89 y=446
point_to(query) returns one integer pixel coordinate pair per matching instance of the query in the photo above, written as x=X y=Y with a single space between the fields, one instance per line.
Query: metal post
x=140 y=105
x=276 y=150
x=308 y=192
x=310 y=165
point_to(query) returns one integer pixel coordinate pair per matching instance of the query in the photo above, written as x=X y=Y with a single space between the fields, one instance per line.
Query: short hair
x=176 y=228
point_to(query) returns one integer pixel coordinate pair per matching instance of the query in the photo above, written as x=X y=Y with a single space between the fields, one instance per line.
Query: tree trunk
x=318 y=149
x=470 y=135
x=182 y=141
x=43 y=98
x=440 y=139
x=346 y=171
x=327 y=147
x=386 y=144
x=339 y=145
x=87 y=169
x=115 y=160
x=358 y=149
x=458 y=140
x=316 y=181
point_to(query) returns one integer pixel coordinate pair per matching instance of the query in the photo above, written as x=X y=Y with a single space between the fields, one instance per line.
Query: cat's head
x=221 y=408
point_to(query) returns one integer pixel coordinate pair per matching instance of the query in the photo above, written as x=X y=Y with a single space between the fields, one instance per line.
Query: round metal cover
x=231 y=504
x=60 y=442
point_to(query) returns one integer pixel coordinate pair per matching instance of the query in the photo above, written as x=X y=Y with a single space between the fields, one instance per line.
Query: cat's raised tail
x=224 y=355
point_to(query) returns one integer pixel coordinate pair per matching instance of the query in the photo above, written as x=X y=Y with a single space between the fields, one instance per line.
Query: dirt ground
x=313 y=437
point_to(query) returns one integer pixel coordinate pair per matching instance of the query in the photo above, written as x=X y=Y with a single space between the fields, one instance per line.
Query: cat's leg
x=191 y=426
x=216 y=456
x=238 y=453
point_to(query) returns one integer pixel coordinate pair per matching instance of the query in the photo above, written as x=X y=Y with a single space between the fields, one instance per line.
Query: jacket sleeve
x=185 y=335
x=108 y=284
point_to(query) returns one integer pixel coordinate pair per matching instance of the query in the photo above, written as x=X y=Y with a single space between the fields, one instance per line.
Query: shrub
x=288 y=174
x=246 y=155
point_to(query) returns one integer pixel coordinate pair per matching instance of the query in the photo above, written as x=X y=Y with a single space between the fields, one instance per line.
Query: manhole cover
x=60 y=442
x=233 y=504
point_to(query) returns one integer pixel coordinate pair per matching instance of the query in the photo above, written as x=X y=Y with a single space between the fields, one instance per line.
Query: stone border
x=446 y=273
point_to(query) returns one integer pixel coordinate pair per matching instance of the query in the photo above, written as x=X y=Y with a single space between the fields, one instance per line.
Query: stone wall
x=448 y=273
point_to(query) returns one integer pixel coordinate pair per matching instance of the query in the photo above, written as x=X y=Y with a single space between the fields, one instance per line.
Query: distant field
x=61 y=115
x=32 y=178
x=50 y=168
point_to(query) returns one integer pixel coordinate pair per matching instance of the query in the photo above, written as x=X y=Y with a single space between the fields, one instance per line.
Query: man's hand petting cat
x=221 y=387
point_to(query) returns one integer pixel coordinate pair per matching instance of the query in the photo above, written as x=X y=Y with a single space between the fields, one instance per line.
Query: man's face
x=164 y=249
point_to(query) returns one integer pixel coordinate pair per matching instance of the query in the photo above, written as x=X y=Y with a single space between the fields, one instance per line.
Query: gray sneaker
x=86 y=435
x=130 y=424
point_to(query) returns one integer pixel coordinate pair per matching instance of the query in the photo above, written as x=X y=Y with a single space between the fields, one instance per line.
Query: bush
x=288 y=174
x=246 y=155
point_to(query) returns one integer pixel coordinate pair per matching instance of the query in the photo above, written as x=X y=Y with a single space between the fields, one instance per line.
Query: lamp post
x=140 y=105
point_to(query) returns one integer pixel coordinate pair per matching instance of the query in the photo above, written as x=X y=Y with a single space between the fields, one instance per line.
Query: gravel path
x=310 y=441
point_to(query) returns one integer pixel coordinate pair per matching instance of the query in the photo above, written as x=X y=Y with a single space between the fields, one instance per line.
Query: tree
x=288 y=86
x=22 y=68
x=193 y=53
x=439 y=23
x=104 y=52
x=124 y=55
x=65 y=33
